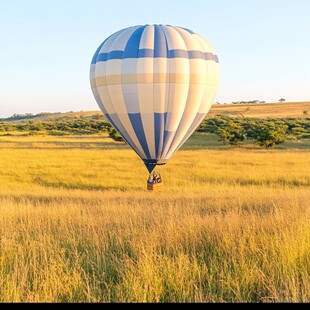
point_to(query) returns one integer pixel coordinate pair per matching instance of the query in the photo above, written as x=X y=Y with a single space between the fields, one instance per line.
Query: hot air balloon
x=155 y=84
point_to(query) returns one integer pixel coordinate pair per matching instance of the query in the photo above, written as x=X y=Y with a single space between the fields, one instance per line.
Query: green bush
x=268 y=134
x=231 y=132
x=265 y=132
x=113 y=134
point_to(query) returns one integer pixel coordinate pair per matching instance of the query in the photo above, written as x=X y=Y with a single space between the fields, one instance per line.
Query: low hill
x=260 y=110
x=263 y=110
x=46 y=116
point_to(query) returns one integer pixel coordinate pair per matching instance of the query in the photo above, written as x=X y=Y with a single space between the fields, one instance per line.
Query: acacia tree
x=231 y=132
x=268 y=134
x=114 y=135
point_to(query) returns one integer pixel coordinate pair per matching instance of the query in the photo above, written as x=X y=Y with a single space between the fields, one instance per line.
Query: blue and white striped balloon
x=155 y=84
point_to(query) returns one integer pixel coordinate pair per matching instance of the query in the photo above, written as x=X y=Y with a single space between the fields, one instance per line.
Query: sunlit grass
x=78 y=225
x=271 y=110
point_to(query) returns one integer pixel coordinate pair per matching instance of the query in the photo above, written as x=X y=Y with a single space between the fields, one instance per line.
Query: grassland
x=263 y=110
x=78 y=225
x=259 y=110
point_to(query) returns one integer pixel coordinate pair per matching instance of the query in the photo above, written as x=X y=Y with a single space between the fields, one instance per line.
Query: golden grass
x=272 y=110
x=78 y=225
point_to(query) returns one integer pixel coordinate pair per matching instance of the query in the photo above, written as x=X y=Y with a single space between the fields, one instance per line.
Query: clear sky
x=46 y=47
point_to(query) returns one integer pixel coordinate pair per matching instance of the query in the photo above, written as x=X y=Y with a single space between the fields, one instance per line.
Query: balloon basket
x=154 y=186
x=154 y=181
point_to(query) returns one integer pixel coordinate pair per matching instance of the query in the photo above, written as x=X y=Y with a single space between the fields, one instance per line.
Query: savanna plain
x=77 y=224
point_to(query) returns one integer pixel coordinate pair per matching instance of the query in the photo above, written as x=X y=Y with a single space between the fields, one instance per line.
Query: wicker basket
x=154 y=181
x=154 y=186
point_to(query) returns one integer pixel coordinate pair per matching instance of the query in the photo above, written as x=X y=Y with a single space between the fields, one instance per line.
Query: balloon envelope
x=155 y=84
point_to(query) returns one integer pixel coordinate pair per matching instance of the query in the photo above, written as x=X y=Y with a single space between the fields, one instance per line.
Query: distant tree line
x=234 y=131
x=248 y=102
x=59 y=126
x=17 y=117
x=255 y=101
x=265 y=132
x=62 y=126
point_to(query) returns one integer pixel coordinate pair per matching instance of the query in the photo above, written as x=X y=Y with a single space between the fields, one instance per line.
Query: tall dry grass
x=228 y=226
x=272 y=110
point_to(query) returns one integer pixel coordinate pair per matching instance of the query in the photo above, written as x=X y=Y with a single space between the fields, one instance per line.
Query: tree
x=114 y=135
x=231 y=132
x=282 y=100
x=268 y=134
x=223 y=135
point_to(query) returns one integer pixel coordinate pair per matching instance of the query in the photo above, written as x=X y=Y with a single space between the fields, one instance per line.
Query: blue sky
x=47 y=46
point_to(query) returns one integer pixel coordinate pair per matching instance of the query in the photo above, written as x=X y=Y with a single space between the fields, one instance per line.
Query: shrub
x=113 y=134
x=268 y=134
x=231 y=132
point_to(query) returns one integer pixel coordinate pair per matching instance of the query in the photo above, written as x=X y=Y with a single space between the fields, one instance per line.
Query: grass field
x=272 y=110
x=78 y=225
x=260 y=110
